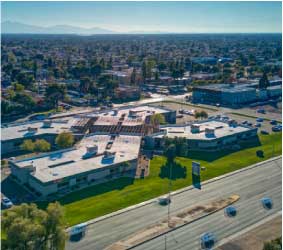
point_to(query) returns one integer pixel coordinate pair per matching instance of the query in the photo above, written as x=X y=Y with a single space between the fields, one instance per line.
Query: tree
x=55 y=226
x=54 y=93
x=180 y=144
x=170 y=153
x=156 y=76
x=96 y=70
x=273 y=245
x=65 y=140
x=157 y=119
x=161 y=66
x=263 y=82
x=25 y=99
x=41 y=145
x=27 y=145
x=34 y=68
x=28 y=227
x=26 y=79
x=133 y=76
x=144 y=71
x=18 y=87
x=201 y=114
x=85 y=84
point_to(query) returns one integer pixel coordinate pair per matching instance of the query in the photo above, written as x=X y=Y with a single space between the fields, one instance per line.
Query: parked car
x=273 y=122
x=277 y=128
x=37 y=117
x=264 y=132
x=262 y=111
x=258 y=125
x=6 y=202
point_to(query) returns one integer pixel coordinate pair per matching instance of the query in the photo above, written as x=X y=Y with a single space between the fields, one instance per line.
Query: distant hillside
x=9 y=27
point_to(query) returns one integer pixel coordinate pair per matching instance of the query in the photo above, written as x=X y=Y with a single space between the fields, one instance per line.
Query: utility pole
x=169 y=201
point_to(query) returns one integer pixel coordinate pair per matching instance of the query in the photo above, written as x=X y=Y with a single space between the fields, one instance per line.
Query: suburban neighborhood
x=117 y=140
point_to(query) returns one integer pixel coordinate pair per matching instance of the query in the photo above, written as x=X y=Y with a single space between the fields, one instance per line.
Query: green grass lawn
x=102 y=199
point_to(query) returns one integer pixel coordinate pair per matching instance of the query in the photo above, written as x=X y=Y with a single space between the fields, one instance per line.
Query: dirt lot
x=254 y=239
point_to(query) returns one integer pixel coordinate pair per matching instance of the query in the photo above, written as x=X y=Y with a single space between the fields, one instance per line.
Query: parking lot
x=9 y=188
x=248 y=115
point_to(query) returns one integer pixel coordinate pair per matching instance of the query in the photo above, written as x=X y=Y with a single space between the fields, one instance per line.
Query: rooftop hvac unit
x=30 y=167
x=209 y=131
x=195 y=128
x=109 y=155
x=92 y=150
x=132 y=113
x=47 y=124
x=232 y=123
x=115 y=112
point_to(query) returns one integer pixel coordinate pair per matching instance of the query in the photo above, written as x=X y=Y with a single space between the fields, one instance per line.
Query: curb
x=142 y=204
x=176 y=228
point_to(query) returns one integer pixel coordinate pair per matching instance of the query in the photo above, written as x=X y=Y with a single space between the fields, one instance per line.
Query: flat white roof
x=221 y=129
x=60 y=164
x=21 y=130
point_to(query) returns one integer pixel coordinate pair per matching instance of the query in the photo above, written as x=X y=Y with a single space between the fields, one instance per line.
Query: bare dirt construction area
x=254 y=239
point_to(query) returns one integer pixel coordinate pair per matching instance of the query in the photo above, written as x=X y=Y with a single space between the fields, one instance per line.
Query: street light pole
x=169 y=201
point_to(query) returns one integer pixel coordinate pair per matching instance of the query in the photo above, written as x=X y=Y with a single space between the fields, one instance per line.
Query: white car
x=6 y=202
x=77 y=229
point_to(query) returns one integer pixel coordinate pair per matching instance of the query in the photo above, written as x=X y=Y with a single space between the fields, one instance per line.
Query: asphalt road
x=251 y=185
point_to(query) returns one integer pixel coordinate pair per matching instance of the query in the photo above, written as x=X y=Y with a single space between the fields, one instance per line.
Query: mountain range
x=9 y=27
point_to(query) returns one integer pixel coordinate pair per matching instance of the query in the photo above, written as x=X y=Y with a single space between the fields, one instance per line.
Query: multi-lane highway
x=251 y=185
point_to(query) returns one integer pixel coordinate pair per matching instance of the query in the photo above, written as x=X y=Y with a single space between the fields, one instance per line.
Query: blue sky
x=194 y=17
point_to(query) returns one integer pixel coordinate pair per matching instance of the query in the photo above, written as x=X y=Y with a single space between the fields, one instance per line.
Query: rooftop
x=221 y=129
x=132 y=115
x=226 y=87
x=30 y=129
x=65 y=163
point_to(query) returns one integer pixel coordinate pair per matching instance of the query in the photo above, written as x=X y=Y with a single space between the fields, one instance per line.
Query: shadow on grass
x=91 y=191
x=178 y=171
x=212 y=156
